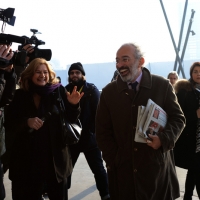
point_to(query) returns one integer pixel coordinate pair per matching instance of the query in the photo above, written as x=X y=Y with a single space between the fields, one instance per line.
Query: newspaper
x=143 y=118
x=138 y=137
x=151 y=119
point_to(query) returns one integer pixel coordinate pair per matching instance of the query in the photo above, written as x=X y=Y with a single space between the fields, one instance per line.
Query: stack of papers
x=150 y=120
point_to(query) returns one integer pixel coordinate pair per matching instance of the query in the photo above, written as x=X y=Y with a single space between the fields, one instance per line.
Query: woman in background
x=35 y=149
x=185 y=152
x=173 y=77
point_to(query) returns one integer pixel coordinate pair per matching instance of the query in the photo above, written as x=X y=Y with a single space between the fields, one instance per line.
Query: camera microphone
x=47 y=116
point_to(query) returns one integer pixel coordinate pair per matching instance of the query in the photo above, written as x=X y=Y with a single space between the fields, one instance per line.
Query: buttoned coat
x=135 y=170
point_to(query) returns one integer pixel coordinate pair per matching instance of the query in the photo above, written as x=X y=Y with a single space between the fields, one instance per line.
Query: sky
x=91 y=31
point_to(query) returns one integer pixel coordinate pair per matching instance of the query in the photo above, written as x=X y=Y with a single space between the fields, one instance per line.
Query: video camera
x=19 y=58
x=37 y=53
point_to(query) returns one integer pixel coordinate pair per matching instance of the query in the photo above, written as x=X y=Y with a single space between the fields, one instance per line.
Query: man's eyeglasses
x=75 y=72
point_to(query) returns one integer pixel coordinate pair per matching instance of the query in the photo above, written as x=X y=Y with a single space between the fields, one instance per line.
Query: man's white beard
x=133 y=73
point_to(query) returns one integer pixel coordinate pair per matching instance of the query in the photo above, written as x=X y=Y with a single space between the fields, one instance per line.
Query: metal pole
x=177 y=55
x=186 y=39
x=181 y=32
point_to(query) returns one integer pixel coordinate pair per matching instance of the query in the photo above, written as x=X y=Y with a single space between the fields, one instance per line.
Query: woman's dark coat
x=19 y=139
x=184 y=151
x=135 y=170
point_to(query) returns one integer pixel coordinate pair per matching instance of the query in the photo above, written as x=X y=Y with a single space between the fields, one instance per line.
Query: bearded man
x=137 y=171
x=87 y=143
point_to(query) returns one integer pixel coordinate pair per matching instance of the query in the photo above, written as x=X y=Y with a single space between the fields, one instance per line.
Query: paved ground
x=83 y=184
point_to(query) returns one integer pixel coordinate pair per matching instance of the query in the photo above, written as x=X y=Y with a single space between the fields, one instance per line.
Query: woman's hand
x=198 y=113
x=35 y=123
x=75 y=96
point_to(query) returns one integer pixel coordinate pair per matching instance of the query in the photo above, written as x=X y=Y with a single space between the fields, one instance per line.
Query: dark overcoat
x=184 y=151
x=21 y=144
x=135 y=170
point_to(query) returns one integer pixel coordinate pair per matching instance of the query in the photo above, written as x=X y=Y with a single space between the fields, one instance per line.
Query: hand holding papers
x=151 y=119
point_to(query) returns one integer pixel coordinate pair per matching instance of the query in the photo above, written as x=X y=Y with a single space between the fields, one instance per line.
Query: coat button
x=108 y=167
x=135 y=149
x=135 y=170
x=133 y=105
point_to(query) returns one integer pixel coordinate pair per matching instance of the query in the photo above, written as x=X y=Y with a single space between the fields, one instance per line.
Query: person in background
x=87 y=143
x=36 y=153
x=115 y=76
x=144 y=171
x=7 y=89
x=187 y=148
x=173 y=77
x=58 y=77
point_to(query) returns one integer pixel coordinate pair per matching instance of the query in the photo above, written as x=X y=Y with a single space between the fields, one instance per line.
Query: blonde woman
x=35 y=149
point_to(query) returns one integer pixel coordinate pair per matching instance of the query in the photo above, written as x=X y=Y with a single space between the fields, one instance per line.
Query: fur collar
x=183 y=84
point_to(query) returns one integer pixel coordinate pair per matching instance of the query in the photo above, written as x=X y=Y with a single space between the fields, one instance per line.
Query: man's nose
x=119 y=64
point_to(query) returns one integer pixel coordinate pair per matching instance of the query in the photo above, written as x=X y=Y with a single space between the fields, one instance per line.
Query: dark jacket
x=7 y=90
x=184 y=151
x=135 y=170
x=88 y=104
x=22 y=145
x=7 y=87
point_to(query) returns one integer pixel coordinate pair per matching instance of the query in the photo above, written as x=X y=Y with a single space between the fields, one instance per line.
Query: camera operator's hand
x=6 y=52
x=7 y=69
x=29 y=49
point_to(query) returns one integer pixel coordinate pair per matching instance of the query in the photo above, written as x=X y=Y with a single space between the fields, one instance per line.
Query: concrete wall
x=101 y=73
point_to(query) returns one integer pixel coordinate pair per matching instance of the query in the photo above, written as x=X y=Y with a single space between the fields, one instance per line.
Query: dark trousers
x=32 y=188
x=189 y=185
x=2 y=189
x=95 y=162
x=192 y=180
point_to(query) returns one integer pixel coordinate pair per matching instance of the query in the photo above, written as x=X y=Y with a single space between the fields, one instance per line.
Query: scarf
x=197 y=87
x=43 y=90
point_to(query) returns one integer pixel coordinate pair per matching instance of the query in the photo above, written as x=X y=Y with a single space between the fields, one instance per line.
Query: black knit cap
x=77 y=66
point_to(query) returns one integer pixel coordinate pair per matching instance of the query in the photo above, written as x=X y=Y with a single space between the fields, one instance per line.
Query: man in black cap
x=87 y=143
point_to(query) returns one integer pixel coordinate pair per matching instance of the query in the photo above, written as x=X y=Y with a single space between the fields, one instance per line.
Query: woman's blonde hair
x=28 y=73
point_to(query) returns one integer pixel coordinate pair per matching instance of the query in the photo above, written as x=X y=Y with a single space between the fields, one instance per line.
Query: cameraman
x=7 y=89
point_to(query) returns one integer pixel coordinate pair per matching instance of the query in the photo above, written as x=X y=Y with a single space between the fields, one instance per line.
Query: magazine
x=152 y=119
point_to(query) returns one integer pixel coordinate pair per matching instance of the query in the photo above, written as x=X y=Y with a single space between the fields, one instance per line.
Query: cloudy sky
x=91 y=31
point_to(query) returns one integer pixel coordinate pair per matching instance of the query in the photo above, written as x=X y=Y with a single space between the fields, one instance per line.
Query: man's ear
x=141 y=62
